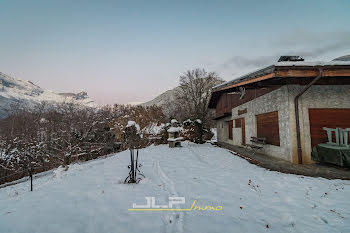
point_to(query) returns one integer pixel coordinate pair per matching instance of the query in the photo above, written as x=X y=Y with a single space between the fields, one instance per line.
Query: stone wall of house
x=282 y=100
x=276 y=100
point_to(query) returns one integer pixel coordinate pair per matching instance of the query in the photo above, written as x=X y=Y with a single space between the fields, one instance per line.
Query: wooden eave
x=328 y=71
x=283 y=72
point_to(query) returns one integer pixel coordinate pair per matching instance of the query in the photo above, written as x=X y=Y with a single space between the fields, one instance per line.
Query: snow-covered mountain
x=163 y=98
x=14 y=89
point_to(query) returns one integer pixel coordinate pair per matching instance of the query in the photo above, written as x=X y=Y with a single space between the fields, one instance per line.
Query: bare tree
x=192 y=98
x=51 y=134
x=194 y=93
x=195 y=90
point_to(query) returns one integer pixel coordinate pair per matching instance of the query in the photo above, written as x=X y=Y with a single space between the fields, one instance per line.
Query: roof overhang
x=222 y=116
x=246 y=77
x=279 y=71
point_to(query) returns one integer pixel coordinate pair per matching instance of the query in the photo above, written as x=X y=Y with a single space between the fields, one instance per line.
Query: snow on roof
x=342 y=58
x=240 y=78
x=316 y=63
x=270 y=68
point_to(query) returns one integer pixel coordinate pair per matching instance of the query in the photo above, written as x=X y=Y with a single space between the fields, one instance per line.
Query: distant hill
x=163 y=98
x=14 y=89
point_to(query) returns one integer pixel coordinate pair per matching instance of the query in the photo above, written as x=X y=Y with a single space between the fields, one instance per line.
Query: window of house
x=267 y=127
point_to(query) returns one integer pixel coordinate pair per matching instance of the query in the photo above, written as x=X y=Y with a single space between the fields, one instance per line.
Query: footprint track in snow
x=173 y=220
x=199 y=157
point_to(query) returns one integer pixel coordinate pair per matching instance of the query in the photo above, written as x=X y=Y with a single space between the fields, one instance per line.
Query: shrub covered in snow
x=193 y=130
x=174 y=121
x=149 y=123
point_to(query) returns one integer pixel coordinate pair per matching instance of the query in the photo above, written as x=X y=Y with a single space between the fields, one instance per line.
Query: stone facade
x=282 y=100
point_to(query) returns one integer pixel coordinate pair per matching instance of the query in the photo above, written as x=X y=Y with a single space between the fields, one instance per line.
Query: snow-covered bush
x=193 y=130
x=149 y=122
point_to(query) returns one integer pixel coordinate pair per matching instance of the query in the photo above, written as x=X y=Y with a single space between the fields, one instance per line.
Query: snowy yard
x=90 y=197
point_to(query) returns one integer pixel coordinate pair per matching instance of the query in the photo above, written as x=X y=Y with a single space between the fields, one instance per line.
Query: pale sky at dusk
x=131 y=51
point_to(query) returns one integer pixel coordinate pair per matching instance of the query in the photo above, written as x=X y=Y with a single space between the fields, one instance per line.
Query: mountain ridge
x=162 y=98
x=15 y=89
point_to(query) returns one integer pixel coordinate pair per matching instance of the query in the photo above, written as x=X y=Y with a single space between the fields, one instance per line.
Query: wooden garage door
x=326 y=117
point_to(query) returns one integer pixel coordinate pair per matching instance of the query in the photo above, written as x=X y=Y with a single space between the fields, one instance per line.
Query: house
x=287 y=103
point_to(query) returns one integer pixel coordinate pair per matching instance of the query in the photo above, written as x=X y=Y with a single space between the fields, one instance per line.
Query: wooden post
x=31 y=178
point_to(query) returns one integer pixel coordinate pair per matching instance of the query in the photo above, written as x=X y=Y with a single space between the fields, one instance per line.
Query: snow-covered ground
x=91 y=197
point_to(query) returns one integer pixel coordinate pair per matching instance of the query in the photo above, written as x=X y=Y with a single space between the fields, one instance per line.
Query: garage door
x=326 y=117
